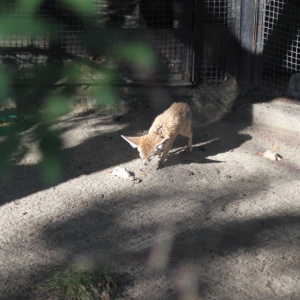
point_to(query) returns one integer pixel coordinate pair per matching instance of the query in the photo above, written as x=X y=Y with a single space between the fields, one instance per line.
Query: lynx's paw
x=160 y=163
x=189 y=149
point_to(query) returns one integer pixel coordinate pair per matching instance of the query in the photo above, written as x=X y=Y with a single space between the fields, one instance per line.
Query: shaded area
x=107 y=149
x=206 y=227
x=279 y=45
x=209 y=53
x=210 y=230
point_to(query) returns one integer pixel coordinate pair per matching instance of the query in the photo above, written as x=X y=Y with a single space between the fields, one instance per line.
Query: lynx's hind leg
x=190 y=143
x=187 y=132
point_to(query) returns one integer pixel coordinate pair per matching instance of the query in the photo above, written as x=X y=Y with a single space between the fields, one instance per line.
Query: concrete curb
x=281 y=113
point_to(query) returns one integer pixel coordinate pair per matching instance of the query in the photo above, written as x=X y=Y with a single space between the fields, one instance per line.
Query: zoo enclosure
x=278 y=46
x=198 y=42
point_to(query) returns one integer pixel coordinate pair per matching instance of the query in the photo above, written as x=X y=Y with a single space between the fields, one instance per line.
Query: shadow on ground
x=137 y=235
x=106 y=149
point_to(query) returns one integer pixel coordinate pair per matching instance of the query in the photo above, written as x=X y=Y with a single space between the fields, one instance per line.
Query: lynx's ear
x=161 y=143
x=133 y=141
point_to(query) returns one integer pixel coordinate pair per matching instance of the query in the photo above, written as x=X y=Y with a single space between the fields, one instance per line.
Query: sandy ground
x=220 y=223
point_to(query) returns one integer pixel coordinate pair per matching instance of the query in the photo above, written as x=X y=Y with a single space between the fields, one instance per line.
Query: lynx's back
x=175 y=120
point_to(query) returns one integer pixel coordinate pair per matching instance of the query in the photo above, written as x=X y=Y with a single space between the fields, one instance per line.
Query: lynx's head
x=149 y=145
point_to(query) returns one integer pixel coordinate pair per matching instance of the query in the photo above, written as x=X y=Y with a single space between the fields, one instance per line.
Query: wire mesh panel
x=161 y=24
x=33 y=45
x=279 y=44
x=217 y=45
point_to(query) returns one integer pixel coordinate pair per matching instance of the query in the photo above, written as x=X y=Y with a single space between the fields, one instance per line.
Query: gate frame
x=257 y=64
x=248 y=45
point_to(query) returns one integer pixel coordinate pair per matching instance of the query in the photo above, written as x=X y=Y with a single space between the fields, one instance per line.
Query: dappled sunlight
x=221 y=222
x=188 y=241
x=160 y=252
x=85 y=129
x=161 y=209
x=252 y=268
x=187 y=282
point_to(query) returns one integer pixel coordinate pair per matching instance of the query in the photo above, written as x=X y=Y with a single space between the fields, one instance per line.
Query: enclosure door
x=278 y=47
x=164 y=25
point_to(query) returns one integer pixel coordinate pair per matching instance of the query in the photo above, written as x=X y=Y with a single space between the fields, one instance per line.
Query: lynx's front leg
x=166 y=150
x=188 y=133
x=190 y=145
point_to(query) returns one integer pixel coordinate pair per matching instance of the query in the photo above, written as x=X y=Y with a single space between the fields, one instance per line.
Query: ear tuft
x=133 y=141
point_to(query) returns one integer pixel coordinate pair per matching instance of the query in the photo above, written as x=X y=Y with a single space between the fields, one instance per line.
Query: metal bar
x=257 y=68
x=247 y=44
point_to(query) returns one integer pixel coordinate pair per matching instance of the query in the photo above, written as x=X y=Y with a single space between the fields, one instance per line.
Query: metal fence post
x=247 y=44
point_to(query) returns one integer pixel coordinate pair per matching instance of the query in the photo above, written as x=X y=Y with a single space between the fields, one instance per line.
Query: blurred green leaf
x=82 y=7
x=73 y=73
x=55 y=107
x=29 y=6
x=107 y=76
x=42 y=88
x=14 y=25
x=106 y=97
x=140 y=55
x=51 y=164
x=50 y=73
x=51 y=167
x=103 y=92
x=4 y=86
x=7 y=148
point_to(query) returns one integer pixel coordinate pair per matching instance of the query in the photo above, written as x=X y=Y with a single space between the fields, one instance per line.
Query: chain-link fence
x=200 y=41
x=164 y=25
x=278 y=46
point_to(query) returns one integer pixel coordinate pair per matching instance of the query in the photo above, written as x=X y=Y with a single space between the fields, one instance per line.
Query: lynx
x=176 y=120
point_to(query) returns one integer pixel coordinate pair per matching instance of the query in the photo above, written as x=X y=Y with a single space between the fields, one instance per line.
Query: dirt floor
x=222 y=222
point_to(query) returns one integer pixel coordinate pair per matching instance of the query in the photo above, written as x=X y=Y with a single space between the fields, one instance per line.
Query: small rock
x=137 y=180
x=272 y=155
x=121 y=173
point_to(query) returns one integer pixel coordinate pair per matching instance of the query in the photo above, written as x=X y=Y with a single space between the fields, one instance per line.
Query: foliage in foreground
x=78 y=284
x=43 y=92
